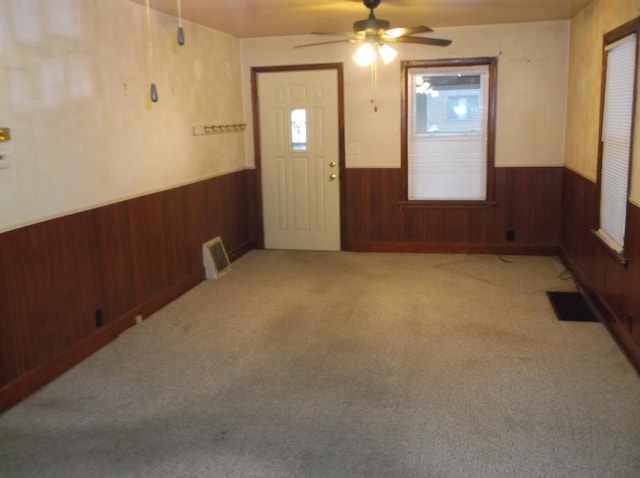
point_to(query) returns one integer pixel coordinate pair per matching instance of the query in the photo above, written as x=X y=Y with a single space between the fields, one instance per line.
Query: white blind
x=447 y=137
x=616 y=139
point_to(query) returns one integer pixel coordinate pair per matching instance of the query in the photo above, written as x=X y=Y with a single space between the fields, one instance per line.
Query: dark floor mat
x=571 y=306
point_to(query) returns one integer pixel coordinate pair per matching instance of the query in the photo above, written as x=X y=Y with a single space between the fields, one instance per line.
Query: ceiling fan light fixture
x=365 y=55
x=387 y=53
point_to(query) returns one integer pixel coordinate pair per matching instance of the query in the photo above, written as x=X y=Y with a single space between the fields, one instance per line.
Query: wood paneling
x=579 y=215
x=254 y=217
x=115 y=267
x=357 y=209
x=527 y=203
x=385 y=222
x=148 y=246
x=75 y=279
x=535 y=195
x=632 y=280
x=175 y=232
x=123 y=259
x=224 y=198
x=26 y=301
x=195 y=212
x=613 y=288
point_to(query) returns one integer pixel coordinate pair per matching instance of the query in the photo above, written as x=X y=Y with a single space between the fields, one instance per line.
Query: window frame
x=629 y=28
x=492 y=90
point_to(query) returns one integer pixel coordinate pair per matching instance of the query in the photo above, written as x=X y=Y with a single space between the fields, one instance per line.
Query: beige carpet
x=301 y=364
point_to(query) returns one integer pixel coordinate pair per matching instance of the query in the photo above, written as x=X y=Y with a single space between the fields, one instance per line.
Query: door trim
x=257 y=70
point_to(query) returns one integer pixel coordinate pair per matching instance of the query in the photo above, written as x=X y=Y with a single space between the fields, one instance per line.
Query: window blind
x=616 y=140
x=447 y=136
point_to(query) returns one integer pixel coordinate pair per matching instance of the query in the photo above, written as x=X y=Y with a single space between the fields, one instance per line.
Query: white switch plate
x=4 y=159
x=353 y=149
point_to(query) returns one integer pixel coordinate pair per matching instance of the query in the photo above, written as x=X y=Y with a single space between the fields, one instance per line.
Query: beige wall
x=585 y=78
x=532 y=85
x=74 y=81
x=74 y=91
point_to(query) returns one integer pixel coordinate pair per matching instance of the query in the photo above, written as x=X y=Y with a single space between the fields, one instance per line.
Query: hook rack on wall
x=218 y=129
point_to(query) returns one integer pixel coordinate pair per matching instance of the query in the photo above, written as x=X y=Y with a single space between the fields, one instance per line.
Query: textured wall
x=585 y=81
x=74 y=80
x=532 y=89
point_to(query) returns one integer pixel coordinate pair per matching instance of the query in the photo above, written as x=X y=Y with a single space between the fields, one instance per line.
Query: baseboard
x=455 y=248
x=28 y=383
x=614 y=326
x=242 y=249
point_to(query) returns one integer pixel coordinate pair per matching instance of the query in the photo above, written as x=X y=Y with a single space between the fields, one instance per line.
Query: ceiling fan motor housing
x=370 y=25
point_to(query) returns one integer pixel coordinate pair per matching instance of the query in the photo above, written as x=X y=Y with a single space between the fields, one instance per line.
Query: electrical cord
x=566 y=273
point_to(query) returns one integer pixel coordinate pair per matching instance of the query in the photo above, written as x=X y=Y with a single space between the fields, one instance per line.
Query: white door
x=299 y=158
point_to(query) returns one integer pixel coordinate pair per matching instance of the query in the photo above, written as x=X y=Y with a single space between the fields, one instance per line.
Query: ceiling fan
x=377 y=33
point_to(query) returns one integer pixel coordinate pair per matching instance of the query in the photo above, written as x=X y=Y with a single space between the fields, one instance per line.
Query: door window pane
x=299 y=130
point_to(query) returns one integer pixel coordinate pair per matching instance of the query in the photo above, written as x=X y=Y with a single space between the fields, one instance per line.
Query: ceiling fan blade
x=322 y=43
x=335 y=34
x=422 y=40
x=403 y=31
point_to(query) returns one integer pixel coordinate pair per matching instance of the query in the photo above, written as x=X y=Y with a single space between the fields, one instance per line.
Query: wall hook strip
x=218 y=129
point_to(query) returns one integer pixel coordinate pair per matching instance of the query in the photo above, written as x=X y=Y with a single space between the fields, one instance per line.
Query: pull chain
x=180 y=29
x=374 y=83
x=153 y=91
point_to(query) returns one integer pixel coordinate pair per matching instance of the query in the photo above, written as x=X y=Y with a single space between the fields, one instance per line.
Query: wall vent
x=216 y=261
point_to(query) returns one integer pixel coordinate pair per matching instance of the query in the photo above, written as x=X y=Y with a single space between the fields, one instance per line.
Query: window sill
x=448 y=204
x=619 y=257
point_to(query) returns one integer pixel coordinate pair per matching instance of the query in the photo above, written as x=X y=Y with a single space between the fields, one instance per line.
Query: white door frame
x=255 y=71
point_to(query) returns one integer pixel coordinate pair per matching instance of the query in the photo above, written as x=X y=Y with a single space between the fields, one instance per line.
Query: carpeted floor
x=303 y=364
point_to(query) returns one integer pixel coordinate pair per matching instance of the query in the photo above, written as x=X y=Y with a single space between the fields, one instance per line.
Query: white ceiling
x=258 y=18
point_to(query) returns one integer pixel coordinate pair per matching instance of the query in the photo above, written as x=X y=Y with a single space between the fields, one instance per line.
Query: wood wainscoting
x=70 y=285
x=527 y=204
x=614 y=289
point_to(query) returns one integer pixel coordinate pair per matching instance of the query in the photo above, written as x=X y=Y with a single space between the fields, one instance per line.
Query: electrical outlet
x=99 y=318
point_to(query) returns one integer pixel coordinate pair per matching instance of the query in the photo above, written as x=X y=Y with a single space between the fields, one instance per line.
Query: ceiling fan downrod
x=371 y=4
x=371 y=25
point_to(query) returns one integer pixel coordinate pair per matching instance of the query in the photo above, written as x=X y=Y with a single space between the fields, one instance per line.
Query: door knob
x=332 y=164
x=332 y=177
